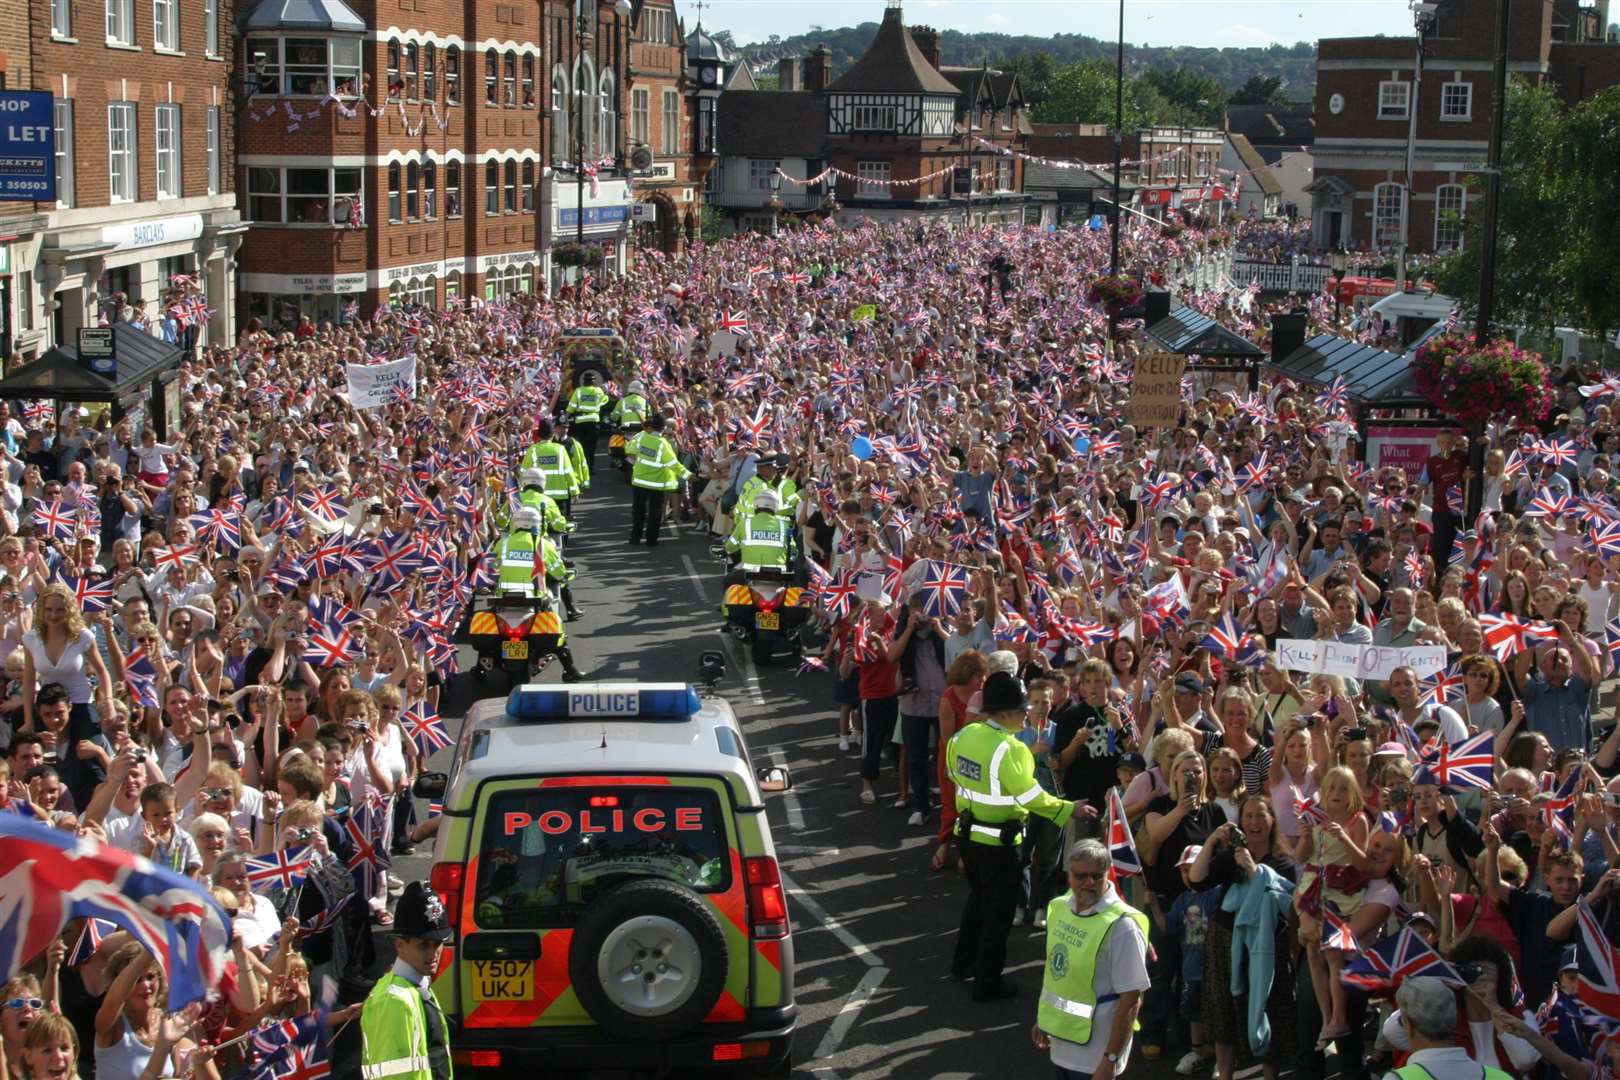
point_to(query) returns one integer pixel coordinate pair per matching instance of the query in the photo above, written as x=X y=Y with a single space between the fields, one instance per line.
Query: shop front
x=588 y=228
x=279 y=301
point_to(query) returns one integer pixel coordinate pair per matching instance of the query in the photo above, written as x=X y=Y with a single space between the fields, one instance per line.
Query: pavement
x=873 y=926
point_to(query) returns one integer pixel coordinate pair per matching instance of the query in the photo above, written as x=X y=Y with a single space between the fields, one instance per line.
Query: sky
x=1147 y=22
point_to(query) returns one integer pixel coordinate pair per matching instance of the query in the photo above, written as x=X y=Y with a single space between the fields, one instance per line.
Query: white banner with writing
x=371 y=385
x=1358 y=661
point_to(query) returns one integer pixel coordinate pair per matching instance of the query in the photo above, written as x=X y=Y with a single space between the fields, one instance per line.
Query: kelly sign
x=1156 y=390
x=371 y=385
x=1358 y=661
x=27 y=146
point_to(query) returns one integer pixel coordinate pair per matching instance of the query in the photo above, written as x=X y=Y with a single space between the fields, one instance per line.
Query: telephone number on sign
x=24 y=185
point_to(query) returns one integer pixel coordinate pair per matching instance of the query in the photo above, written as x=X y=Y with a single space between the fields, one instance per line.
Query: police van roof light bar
x=589 y=701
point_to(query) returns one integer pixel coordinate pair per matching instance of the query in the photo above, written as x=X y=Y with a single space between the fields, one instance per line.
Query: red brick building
x=896 y=115
x=426 y=152
x=1367 y=101
x=144 y=133
x=669 y=187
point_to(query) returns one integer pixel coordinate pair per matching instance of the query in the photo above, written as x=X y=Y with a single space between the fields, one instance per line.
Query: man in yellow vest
x=658 y=471
x=584 y=408
x=1428 y=1012
x=1096 y=970
x=403 y=1030
x=552 y=459
x=996 y=790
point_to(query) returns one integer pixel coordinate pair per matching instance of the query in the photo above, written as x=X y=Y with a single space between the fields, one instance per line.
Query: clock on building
x=1336 y=104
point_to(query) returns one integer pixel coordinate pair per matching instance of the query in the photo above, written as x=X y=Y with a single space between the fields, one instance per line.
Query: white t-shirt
x=1121 y=967
x=1481 y=1031
x=1599 y=606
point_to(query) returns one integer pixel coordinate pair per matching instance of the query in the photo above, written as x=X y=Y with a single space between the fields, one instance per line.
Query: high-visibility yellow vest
x=553 y=461
x=759 y=540
x=1068 y=992
x=631 y=409
x=585 y=404
x=994 y=775
x=657 y=466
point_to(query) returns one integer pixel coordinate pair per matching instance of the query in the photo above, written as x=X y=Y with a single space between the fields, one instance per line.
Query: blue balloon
x=1082 y=445
x=861 y=447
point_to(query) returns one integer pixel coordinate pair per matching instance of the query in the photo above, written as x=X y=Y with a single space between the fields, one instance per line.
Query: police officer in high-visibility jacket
x=552 y=522
x=996 y=790
x=527 y=563
x=403 y=1033
x=658 y=471
x=1096 y=971
x=631 y=410
x=552 y=459
x=568 y=434
x=761 y=539
x=584 y=408
x=768 y=477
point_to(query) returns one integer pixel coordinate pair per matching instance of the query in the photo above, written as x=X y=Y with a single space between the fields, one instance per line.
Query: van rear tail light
x=447 y=879
x=739 y=1051
x=767 y=900
x=477 y=1059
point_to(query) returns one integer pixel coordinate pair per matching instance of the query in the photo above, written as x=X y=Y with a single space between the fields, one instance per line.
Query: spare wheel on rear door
x=648 y=960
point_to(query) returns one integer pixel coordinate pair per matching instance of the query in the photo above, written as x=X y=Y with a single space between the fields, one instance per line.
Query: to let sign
x=1156 y=390
x=27 y=146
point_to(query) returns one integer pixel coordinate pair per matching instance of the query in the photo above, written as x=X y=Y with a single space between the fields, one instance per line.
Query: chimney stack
x=927 y=41
x=790 y=73
x=1287 y=334
x=818 y=69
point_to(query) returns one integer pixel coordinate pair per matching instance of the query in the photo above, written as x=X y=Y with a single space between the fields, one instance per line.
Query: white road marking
x=738 y=655
x=790 y=798
x=849 y=1013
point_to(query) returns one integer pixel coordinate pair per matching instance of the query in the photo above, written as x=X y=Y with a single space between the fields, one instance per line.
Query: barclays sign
x=140 y=234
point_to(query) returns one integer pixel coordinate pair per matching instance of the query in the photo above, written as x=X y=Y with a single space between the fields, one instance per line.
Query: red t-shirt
x=1446 y=473
x=880 y=678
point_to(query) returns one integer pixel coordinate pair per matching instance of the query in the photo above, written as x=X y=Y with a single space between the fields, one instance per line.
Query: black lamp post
x=583 y=12
x=1119 y=137
x=1339 y=260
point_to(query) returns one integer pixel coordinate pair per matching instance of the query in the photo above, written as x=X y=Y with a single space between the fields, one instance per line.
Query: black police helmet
x=420 y=914
x=1003 y=691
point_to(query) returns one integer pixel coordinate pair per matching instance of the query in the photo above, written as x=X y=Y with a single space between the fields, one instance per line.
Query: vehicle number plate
x=503 y=980
x=768 y=620
x=514 y=650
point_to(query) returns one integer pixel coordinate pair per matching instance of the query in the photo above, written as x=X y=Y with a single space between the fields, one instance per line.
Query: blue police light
x=651 y=701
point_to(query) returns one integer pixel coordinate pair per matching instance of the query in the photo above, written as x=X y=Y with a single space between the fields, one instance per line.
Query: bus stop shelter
x=146 y=378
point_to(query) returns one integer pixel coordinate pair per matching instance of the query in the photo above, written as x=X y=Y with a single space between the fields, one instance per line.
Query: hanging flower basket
x=576 y=255
x=1478 y=383
x=1115 y=292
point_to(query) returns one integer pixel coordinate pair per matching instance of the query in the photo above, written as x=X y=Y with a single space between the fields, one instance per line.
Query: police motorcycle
x=765 y=608
x=515 y=626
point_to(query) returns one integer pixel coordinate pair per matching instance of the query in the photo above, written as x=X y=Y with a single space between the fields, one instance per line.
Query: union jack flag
x=1123 y=860
x=91 y=595
x=426 y=730
x=295 y=1062
x=1558 y=810
x=55 y=520
x=1335 y=397
x=1336 y=933
x=1606 y=539
x=140 y=675
x=52 y=877
x=363 y=822
x=1225 y=639
x=1561 y=452
x=1310 y=812
x=1506 y=635
x=943 y=587
x=734 y=321
x=1253 y=474
x=175 y=558
x=1603 y=992
x=218 y=527
x=286 y=868
x=1546 y=504
x=324 y=503
x=89 y=941
x=1159 y=491
x=331 y=644
x=1441 y=686
x=1470 y=763
x=1611 y=630
x=1386 y=965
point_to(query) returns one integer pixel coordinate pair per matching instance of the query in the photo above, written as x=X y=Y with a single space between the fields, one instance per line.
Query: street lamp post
x=584 y=12
x=1119 y=137
x=1493 y=183
x=1339 y=260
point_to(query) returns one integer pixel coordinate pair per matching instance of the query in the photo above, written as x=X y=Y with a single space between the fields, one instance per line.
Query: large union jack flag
x=49 y=877
x=943 y=587
x=1506 y=635
x=1404 y=956
x=425 y=728
x=1602 y=990
x=286 y=869
x=1470 y=763
x=1123 y=860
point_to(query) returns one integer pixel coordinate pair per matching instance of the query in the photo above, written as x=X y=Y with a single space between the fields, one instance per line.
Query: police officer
x=1096 y=971
x=567 y=433
x=584 y=408
x=403 y=1033
x=996 y=790
x=657 y=472
x=532 y=493
x=768 y=477
x=761 y=539
x=555 y=463
x=630 y=410
x=519 y=571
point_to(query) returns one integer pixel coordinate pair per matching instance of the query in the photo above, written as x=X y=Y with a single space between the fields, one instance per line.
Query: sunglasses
x=1082 y=875
x=215 y=792
x=25 y=1003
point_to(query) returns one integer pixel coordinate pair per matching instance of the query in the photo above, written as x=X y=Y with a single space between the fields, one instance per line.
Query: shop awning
x=1193 y=333
x=61 y=376
x=1371 y=375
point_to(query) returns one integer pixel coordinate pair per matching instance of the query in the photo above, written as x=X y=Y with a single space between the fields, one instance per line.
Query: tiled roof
x=893 y=64
x=1271 y=123
x=304 y=15
x=772 y=123
x=1258 y=169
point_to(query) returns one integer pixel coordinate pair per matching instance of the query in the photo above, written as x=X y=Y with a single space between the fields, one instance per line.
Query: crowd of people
x=225 y=649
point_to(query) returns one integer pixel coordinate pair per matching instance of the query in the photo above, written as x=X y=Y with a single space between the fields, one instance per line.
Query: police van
x=609 y=870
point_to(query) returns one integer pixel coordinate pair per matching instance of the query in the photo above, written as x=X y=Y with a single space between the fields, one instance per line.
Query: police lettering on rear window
x=546 y=853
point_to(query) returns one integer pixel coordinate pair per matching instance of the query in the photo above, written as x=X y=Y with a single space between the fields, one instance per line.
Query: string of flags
x=834 y=171
x=295 y=118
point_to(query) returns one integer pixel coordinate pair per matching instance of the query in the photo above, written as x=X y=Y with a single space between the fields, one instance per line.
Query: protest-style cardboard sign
x=371 y=385
x=1156 y=390
x=1358 y=661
